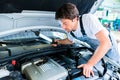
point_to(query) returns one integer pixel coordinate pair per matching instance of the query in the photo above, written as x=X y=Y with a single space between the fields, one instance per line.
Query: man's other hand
x=87 y=70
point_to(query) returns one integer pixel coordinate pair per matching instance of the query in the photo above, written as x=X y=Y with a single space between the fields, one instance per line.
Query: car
x=25 y=43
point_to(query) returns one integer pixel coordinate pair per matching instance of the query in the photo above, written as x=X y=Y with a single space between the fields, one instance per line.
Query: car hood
x=20 y=13
x=10 y=6
x=17 y=14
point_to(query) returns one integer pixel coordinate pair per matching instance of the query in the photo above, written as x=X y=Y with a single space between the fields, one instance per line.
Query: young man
x=68 y=15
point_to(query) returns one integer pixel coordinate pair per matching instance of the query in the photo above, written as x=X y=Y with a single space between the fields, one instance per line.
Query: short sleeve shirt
x=91 y=25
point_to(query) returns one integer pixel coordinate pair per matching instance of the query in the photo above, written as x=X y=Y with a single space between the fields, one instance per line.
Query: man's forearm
x=99 y=53
x=64 y=41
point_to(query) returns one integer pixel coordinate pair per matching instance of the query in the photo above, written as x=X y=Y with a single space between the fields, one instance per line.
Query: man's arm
x=101 y=50
x=63 y=41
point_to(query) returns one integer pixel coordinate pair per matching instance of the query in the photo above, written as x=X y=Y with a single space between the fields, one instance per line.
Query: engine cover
x=49 y=70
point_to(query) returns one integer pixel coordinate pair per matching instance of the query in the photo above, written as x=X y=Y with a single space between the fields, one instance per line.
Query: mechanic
x=94 y=33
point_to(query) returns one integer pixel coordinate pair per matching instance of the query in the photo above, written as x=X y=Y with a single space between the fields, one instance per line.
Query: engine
x=44 y=69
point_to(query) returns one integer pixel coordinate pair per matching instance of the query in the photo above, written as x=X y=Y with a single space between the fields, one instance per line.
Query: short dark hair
x=67 y=11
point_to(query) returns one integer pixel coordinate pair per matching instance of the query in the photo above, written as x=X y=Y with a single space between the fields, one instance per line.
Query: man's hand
x=87 y=70
x=63 y=41
x=54 y=43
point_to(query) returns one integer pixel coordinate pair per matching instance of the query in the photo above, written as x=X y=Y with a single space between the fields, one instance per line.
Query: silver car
x=27 y=30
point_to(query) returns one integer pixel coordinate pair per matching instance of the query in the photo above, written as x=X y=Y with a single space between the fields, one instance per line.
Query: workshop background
x=109 y=15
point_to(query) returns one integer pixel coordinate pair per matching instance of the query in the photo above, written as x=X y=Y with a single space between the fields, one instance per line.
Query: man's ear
x=76 y=18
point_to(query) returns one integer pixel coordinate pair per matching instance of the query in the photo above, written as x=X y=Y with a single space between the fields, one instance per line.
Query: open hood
x=22 y=13
x=11 y=6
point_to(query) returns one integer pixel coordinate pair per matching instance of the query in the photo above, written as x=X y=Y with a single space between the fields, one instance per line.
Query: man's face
x=69 y=25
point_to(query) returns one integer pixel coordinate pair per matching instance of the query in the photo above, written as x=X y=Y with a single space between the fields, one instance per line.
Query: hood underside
x=10 y=6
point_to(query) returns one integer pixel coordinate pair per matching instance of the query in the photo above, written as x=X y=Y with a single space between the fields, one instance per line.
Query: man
x=68 y=15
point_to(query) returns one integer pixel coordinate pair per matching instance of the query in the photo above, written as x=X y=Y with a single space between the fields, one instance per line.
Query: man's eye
x=65 y=23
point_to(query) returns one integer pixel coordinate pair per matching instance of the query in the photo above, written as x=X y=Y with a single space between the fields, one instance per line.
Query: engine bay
x=52 y=63
x=56 y=64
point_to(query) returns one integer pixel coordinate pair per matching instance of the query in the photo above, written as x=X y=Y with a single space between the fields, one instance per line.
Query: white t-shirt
x=91 y=25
